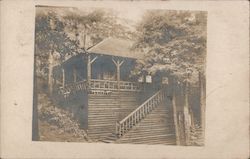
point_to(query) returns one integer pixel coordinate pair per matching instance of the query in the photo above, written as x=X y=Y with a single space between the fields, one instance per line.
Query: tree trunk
x=175 y=120
x=63 y=77
x=202 y=104
x=186 y=115
x=74 y=74
x=50 y=74
x=35 y=127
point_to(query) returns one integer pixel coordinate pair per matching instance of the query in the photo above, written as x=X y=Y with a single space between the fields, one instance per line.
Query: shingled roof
x=115 y=47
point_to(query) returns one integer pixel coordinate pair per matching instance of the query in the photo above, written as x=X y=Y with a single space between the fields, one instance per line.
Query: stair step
x=111 y=138
x=101 y=123
x=99 y=104
x=151 y=137
x=103 y=119
x=122 y=103
x=99 y=133
x=156 y=121
x=150 y=129
x=101 y=116
x=101 y=126
x=111 y=108
x=149 y=141
x=104 y=133
x=107 y=141
x=129 y=96
x=148 y=134
x=153 y=142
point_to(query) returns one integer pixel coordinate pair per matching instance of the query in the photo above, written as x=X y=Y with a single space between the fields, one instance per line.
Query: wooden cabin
x=101 y=94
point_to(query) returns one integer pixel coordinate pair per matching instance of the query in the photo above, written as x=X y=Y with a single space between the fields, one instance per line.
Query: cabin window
x=148 y=79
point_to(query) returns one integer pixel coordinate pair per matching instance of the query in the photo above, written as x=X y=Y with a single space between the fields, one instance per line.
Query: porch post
x=89 y=66
x=118 y=74
x=118 y=64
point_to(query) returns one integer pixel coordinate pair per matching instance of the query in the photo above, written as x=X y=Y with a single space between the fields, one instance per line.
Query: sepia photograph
x=119 y=76
x=124 y=79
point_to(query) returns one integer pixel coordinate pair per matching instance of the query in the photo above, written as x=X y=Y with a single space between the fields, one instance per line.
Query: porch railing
x=95 y=84
x=139 y=113
x=72 y=88
x=113 y=85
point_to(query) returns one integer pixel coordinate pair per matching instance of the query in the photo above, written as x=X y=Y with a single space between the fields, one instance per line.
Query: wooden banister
x=139 y=113
x=72 y=87
x=113 y=85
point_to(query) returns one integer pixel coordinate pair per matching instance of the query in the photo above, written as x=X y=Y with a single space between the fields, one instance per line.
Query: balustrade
x=71 y=88
x=138 y=114
x=113 y=85
x=94 y=85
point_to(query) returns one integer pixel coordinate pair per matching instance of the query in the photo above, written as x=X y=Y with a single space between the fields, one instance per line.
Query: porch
x=96 y=86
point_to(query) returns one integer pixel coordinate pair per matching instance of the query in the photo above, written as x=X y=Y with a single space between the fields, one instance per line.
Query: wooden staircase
x=150 y=123
x=156 y=128
x=105 y=109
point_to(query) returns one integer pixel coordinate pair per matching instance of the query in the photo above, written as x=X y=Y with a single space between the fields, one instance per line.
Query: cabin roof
x=115 y=47
x=111 y=47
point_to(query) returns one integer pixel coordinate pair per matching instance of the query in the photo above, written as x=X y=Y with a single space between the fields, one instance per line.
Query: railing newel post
x=120 y=129
x=147 y=105
x=137 y=117
x=139 y=114
x=132 y=118
x=143 y=112
x=116 y=127
x=126 y=126
x=128 y=123
x=134 y=122
x=123 y=128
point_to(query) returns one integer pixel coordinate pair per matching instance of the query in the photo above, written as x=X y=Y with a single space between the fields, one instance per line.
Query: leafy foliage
x=174 y=43
x=96 y=26
x=67 y=32
x=59 y=118
x=50 y=37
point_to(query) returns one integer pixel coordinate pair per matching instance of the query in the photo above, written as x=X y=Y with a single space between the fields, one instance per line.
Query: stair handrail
x=144 y=103
x=139 y=113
